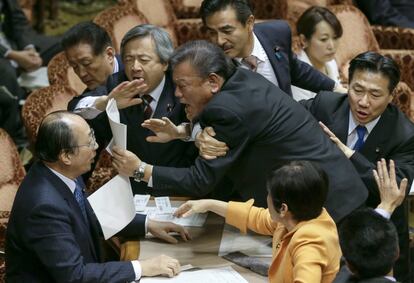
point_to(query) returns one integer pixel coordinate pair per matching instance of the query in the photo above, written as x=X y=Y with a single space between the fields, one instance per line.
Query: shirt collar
x=116 y=66
x=69 y=182
x=390 y=278
x=353 y=124
x=156 y=93
x=257 y=51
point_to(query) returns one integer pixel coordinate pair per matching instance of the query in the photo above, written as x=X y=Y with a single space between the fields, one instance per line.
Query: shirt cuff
x=7 y=53
x=383 y=213
x=150 y=182
x=86 y=107
x=146 y=225
x=137 y=269
x=195 y=131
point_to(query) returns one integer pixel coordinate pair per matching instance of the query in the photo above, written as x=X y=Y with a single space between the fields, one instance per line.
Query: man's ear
x=65 y=157
x=303 y=41
x=284 y=208
x=110 y=53
x=250 y=23
x=215 y=82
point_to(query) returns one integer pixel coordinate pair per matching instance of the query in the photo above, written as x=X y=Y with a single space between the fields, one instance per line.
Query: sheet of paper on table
x=164 y=211
x=223 y=274
x=251 y=244
x=113 y=205
x=119 y=130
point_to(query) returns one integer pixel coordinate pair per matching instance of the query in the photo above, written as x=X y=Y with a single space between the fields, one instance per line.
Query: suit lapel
x=340 y=122
x=276 y=57
x=166 y=103
x=66 y=193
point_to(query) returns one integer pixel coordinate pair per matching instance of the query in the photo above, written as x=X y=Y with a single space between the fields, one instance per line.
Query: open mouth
x=361 y=114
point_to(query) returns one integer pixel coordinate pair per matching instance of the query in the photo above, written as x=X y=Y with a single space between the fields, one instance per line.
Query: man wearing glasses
x=53 y=234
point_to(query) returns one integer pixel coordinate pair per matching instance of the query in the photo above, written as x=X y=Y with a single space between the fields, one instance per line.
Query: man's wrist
x=139 y=173
x=184 y=131
x=101 y=102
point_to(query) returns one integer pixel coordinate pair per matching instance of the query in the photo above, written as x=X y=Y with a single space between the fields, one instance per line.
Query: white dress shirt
x=331 y=68
x=264 y=67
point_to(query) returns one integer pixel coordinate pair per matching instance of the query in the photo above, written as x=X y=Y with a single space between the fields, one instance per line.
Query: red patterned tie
x=147 y=107
x=251 y=62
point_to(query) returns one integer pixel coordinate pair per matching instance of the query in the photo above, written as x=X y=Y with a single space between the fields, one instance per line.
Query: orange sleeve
x=243 y=215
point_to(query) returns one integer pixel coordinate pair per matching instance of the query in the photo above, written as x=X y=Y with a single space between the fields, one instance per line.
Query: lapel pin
x=276 y=49
x=169 y=108
x=377 y=150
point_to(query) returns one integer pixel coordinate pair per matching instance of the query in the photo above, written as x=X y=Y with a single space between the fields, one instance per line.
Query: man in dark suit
x=367 y=127
x=20 y=46
x=53 y=233
x=90 y=53
x=398 y=13
x=265 y=47
x=262 y=130
x=145 y=90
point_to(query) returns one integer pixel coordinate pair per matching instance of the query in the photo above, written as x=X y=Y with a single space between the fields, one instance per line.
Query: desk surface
x=201 y=251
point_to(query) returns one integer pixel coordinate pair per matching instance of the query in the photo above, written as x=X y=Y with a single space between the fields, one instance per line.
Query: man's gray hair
x=163 y=44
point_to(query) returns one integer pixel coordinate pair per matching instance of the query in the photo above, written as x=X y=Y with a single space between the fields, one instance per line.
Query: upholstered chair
x=119 y=19
x=11 y=175
x=42 y=102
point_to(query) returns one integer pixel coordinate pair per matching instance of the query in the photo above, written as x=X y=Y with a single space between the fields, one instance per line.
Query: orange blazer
x=310 y=253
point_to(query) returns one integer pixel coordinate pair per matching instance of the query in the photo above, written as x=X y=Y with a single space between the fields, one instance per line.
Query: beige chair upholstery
x=119 y=19
x=357 y=30
x=11 y=175
x=61 y=73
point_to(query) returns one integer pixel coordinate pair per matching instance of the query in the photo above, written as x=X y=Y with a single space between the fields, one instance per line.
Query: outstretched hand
x=346 y=150
x=126 y=93
x=191 y=207
x=161 y=230
x=163 y=128
x=391 y=195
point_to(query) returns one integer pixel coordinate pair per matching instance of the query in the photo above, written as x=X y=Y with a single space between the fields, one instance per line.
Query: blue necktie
x=78 y=193
x=361 y=130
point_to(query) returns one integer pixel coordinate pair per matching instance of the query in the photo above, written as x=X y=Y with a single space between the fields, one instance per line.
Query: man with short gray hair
x=142 y=91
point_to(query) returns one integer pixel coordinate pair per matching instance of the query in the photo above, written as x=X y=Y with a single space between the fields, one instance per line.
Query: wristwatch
x=140 y=172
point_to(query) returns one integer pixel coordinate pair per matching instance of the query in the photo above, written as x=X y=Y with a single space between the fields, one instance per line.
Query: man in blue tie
x=53 y=233
x=366 y=126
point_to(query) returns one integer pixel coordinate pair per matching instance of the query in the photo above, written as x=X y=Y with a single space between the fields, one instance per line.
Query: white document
x=140 y=202
x=251 y=244
x=113 y=205
x=222 y=275
x=35 y=79
x=195 y=220
x=119 y=130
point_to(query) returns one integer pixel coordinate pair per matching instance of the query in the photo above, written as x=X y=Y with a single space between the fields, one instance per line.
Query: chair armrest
x=394 y=37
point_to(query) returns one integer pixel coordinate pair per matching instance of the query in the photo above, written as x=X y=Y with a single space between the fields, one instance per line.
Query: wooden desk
x=201 y=251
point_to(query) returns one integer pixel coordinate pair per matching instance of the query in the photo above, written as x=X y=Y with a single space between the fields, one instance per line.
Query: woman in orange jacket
x=305 y=238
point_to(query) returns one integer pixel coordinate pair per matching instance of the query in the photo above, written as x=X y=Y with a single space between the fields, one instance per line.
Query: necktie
x=361 y=131
x=251 y=62
x=147 y=107
x=78 y=193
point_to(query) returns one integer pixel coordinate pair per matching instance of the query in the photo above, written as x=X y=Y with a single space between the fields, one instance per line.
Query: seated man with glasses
x=53 y=233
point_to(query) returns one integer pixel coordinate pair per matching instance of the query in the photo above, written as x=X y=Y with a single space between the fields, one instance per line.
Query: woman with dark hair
x=319 y=31
x=305 y=239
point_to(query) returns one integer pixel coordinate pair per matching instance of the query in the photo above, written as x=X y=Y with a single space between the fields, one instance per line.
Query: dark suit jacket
x=263 y=131
x=48 y=240
x=175 y=153
x=391 y=138
x=388 y=12
x=276 y=39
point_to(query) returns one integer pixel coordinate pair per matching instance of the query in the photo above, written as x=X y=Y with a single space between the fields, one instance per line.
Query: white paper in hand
x=119 y=130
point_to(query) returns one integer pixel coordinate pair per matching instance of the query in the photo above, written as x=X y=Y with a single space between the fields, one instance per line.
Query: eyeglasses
x=92 y=143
